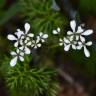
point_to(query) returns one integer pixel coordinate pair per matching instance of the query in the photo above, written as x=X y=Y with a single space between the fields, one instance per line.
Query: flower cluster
x=24 y=42
x=75 y=39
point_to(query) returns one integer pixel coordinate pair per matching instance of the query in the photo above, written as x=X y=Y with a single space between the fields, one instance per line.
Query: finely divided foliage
x=24 y=42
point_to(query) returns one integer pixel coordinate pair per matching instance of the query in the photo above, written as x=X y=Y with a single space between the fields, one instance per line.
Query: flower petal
x=16 y=44
x=31 y=35
x=65 y=44
x=33 y=41
x=40 y=34
x=29 y=43
x=75 y=42
x=80 y=43
x=67 y=47
x=69 y=33
x=87 y=32
x=27 y=50
x=42 y=40
x=27 y=27
x=35 y=47
x=45 y=36
x=18 y=51
x=55 y=32
x=26 y=41
x=60 y=40
x=73 y=25
x=71 y=38
x=22 y=37
x=37 y=41
x=77 y=37
x=19 y=33
x=11 y=37
x=79 y=47
x=82 y=38
x=21 y=48
x=21 y=42
x=21 y=58
x=13 y=53
x=66 y=40
x=58 y=29
x=61 y=44
x=86 y=52
x=39 y=45
x=13 y=61
x=22 y=54
x=79 y=30
x=89 y=43
x=74 y=47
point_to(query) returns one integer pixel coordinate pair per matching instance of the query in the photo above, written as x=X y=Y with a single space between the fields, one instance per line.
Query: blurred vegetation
x=42 y=17
x=7 y=14
x=87 y=7
x=23 y=80
x=86 y=66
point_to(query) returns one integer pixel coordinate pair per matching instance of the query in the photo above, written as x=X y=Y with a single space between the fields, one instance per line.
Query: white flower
x=36 y=43
x=61 y=42
x=42 y=36
x=86 y=33
x=73 y=26
x=25 y=41
x=76 y=40
x=17 y=55
x=75 y=33
x=20 y=35
x=14 y=38
x=68 y=43
x=27 y=29
x=25 y=49
x=84 y=44
x=57 y=31
x=24 y=36
x=79 y=32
